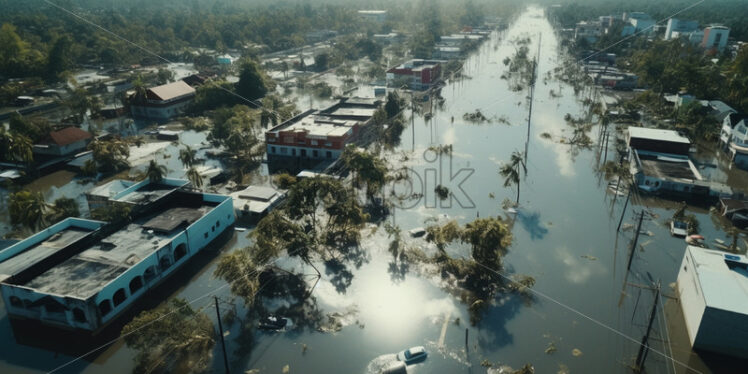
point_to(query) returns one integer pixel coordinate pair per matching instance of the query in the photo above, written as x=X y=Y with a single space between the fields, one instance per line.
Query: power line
x=589 y=318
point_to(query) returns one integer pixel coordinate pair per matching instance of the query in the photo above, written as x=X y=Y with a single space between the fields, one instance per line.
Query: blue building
x=82 y=274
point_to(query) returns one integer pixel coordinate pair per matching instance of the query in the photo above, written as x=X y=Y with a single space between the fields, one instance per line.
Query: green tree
x=27 y=209
x=115 y=213
x=155 y=172
x=15 y=147
x=188 y=156
x=110 y=155
x=252 y=83
x=63 y=208
x=489 y=239
x=194 y=177
x=368 y=169
x=511 y=172
x=60 y=58
x=171 y=338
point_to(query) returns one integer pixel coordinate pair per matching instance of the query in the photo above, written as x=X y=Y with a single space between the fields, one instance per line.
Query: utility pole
x=220 y=333
x=535 y=65
x=636 y=239
x=626 y=204
x=644 y=347
x=607 y=138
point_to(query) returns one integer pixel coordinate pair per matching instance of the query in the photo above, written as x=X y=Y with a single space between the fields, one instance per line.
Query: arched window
x=79 y=315
x=136 y=284
x=149 y=274
x=164 y=262
x=119 y=297
x=180 y=252
x=105 y=307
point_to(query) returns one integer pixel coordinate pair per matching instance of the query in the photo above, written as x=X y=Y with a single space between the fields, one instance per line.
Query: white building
x=254 y=202
x=637 y=22
x=677 y=27
x=715 y=37
x=734 y=138
x=713 y=290
x=164 y=102
x=78 y=274
x=373 y=15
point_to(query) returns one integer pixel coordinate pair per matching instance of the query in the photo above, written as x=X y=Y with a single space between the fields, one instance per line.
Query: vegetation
x=511 y=171
x=367 y=169
x=155 y=172
x=171 y=338
x=111 y=155
x=27 y=209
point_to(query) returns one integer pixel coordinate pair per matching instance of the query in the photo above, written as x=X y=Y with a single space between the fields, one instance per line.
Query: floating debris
x=475 y=117
x=286 y=369
x=304 y=348
x=562 y=369
x=551 y=348
x=627 y=226
x=591 y=258
x=576 y=352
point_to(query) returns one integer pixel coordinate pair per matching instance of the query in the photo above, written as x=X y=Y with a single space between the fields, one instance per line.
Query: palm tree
x=195 y=178
x=510 y=171
x=16 y=147
x=63 y=208
x=155 y=172
x=188 y=156
x=27 y=208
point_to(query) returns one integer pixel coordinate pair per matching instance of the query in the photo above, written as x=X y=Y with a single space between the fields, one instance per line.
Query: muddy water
x=564 y=236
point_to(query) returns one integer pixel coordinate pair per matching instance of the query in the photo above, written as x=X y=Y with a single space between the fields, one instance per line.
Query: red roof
x=67 y=136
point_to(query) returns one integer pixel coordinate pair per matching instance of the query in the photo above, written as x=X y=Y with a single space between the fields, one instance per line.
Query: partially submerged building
x=321 y=134
x=254 y=202
x=659 y=162
x=82 y=274
x=163 y=102
x=416 y=74
x=736 y=210
x=64 y=142
x=734 y=138
x=713 y=290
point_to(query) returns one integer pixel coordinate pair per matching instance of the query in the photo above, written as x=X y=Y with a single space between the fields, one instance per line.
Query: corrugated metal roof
x=67 y=136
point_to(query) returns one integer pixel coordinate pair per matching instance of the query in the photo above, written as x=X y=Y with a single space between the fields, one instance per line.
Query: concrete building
x=447 y=53
x=164 y=102
x=677 y=27
x=715 y=38
x=373 y=15
x=588 y=30
x=254 y=202
x=713 y=290
x=659 y=163
x=81 y=274
x=391 y=38
x=321 y=134
x=99 y=197
x=65 y=142
x=637 y=22
x=416 y=74
x=734 y=138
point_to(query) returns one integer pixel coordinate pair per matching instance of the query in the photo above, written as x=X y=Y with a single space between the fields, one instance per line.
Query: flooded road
x=564 y=236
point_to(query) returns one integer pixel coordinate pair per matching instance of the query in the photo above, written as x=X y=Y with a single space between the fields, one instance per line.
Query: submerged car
x=412 y=355
x=678 y=228
x=272 y=323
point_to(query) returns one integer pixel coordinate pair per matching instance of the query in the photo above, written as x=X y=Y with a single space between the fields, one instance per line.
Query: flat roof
x=723 y=278
x=111 y=188
x=258 y=193
x=148 y=193
x=86 y=273
x=664 y=167
x=657 y=134
x=41 y=250
x=171 y=91
x=314 y=126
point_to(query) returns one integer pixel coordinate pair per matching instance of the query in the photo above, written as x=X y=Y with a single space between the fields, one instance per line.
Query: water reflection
x=530 y=221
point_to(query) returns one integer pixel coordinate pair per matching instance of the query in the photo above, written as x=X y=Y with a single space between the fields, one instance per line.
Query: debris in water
x=562 y=369
x=551 y=348
x=627 y=226
x=485 y=363
x=286 y=369
x=304 y=348
x=649 y=233
x=576 y=352
x=591 y=258
x=253 y=371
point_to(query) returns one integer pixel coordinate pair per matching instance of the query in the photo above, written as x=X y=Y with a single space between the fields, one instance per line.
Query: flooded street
x=564 y=236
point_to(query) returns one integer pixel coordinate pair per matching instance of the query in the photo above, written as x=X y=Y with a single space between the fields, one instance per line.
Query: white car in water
x=412 y=355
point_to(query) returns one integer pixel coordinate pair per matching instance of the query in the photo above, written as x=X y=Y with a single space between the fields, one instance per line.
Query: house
x=677 y=27
x=637 y=22
x=659 y=163
x=713 y=290
x=321 y=135
x=735 y=210
x=447 y=53
x=81 y=274
x=588 y=30
x=734 y=138
x=163 y=102
x=416 y=74
x=64 y=142
x=715 y=38
x=255 y=202
x=373 y=15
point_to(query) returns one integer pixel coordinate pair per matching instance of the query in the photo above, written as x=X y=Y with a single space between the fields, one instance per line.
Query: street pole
x=220 y=333
x=636 y=239
x=623 y=213
x=644 y=347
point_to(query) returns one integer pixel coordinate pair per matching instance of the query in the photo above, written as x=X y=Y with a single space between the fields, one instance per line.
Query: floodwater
x=587 y=306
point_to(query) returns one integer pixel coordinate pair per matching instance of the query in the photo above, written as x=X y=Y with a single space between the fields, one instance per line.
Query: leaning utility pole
x=534 y=79
x=644 y=346
x=636 y=240
x=220 y=333
x=625 y=205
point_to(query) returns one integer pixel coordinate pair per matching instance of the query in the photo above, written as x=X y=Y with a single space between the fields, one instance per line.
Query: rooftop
x=68 y=135
x=664 y=167
x=170 y=91
x=657 y=134
x=256 y=199
x=111 y=188
x=723 y=278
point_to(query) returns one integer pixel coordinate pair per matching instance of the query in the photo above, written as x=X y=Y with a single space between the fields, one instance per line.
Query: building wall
x=284 y=150
x=723 y=332
x=715 y=37
x=160 y=113
x=691 y=296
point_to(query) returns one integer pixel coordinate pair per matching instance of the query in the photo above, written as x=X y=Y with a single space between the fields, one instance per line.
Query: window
x=315 y=153
x=136 y=284
x=272 y=150
x=213 y=228
x=303 y=153
x=149 y=274
x=79 y=315
x=314 y=142
x=284 y=150
x=329 y=154
x=119 y=297
x=205 y=235
x=218 y=223
x=164 y=262
x=180 y=252
x=293 y=151
x=328 y=144
x=105 y=307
